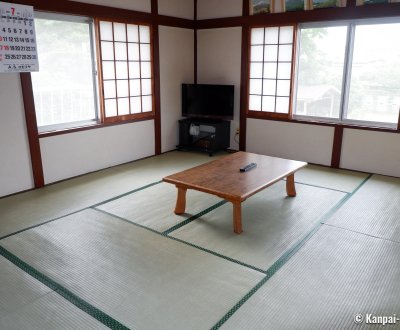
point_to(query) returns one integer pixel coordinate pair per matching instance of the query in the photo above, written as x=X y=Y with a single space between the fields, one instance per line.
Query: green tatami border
x=289 y=254
x=80 y=210
x=62 y=291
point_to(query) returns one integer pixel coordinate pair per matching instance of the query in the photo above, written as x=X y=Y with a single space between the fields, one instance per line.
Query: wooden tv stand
x=212 y=134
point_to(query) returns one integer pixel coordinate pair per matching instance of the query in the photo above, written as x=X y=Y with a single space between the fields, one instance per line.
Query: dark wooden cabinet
x=205 y=135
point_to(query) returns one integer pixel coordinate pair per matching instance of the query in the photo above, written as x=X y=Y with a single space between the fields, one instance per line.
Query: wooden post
x=181 y=201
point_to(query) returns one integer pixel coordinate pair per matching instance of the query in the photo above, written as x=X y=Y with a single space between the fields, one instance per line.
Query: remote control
x=248 y=167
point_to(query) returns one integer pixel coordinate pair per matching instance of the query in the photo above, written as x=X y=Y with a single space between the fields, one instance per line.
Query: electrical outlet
x=237 y=130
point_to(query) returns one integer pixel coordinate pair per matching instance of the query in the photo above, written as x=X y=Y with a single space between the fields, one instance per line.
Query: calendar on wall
x=18 y=51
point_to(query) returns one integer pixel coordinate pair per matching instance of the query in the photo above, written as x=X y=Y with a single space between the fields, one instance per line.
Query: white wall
x=15 y=163
x=219 y=8
x=176 y=67
x=219 y=60
x=308 y=143
x=138 y=5
x=176 y=8
x=77 y=153
x=370 y=151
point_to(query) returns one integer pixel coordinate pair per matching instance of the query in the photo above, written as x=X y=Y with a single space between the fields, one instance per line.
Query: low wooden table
x=222 y=178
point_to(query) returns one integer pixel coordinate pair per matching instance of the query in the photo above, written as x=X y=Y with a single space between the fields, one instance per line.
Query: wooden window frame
x=132 y=116
x=264 y=114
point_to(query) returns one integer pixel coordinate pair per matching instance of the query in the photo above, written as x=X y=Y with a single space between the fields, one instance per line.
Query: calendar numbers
x=18 y=51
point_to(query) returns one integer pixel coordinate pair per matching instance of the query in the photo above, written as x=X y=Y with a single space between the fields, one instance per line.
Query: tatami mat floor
x=106 y=250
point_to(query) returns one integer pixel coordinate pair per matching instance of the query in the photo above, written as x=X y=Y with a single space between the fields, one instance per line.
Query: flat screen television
x=207 y=101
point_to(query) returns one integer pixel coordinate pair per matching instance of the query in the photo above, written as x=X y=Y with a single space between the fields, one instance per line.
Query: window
x=64 y=88
x=350 y=72
x=126 y=78
x=271 y=69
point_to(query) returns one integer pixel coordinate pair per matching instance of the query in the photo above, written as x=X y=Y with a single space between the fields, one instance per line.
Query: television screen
x=207 y=101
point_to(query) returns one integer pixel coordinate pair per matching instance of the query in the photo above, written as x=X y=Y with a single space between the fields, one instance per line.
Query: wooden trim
x=31 y=126
x=263 y=116
x=246 y=8
x=104 y=12
x=380 y=10
x=244 y=87
x=156 y=79
x=398 y=122
x=195 y=42
x=337 y=146
x=93 y=126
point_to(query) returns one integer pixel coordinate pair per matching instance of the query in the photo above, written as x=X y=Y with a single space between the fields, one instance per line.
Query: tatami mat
x=330 y=178
x=336 y=275
x=60 y=199
x=49 y=313
x=272 y=223
x=154 y=207
x=141 y=279
x=373 y=210
x=25 y=303
x=17 y=288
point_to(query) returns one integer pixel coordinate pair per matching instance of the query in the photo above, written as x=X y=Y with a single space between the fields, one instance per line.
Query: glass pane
x=133 y=33
x=293 y=5
x=285 y=53
x=123 y=106
x=107 y=51
x=256 y=70
x=320 y=71
x=269 y=87
x=122 y=70
x=271 y=53
x=324 y=3
x=268 y=104
x=122 y=88
x=256 y=53
x=144 y=33
x=255 y=86
x=146 y=86
x=255 y=102
x=282 y=105
x=257 y=36
x=108 y=70
x=110 y=107
x=133 y=51
x=271 y=35
x=147 y=104
x=134 y=86
x=109 y=89
x=286 y=35
x=145 y=52
x=120 y=51
x=284 y=70
x=105 y=31
x=375 y=83
x=63 y=88
x=259 y=7
x=283 y=88
x=270 y=70
x=145 y=69
x=136 y=105
x=134 y=70
x=119 y=32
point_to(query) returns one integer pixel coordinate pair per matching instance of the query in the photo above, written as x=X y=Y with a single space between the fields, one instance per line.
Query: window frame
x=268 y=114
x=346 y=79
x=66 y=126
x=314 y=120
x=132 y=116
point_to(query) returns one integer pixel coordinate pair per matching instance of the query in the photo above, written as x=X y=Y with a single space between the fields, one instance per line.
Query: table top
x=222 y=177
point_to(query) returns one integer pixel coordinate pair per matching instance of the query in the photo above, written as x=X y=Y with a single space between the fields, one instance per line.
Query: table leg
x=237 y=217
x=290 y=188
x=181 y=201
